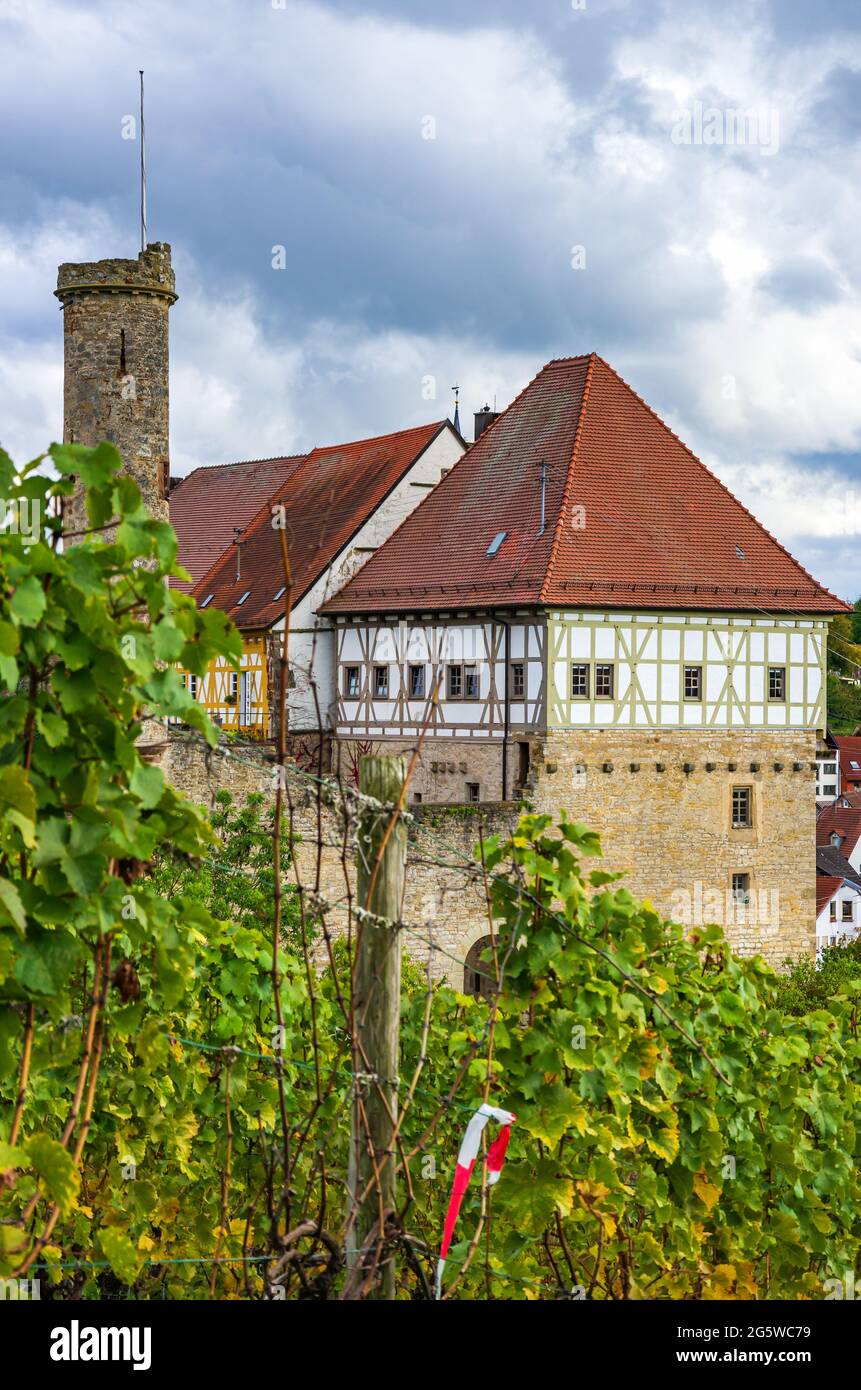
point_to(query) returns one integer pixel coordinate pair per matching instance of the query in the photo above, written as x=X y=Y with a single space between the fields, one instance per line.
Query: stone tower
x=115 y=379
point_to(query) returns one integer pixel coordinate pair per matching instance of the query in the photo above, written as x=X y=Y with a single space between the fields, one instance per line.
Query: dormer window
x=836 y=839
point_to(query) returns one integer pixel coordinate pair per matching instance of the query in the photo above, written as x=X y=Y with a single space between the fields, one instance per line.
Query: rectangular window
x=454 y=685
x=693 y=682
x=832 y=768
x=470 y=682
x=416 y=682
x=472 y=791
x=603 y=682
x=352 y=677
x=518 y=680
x=741 y=888
x=777 y=682
x=740 y=808
x=417 y=798
x=832 y=911
x=192 y=685
x=846 y=910
x=381 y=682
x=830 y=790
x=579 y=682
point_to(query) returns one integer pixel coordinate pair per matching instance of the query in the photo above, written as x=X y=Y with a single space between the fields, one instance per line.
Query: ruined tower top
x=115 y=378
x=150 y=273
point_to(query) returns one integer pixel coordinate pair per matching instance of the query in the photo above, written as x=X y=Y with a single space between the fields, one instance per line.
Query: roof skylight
x=208 y=599
x=496 y=542
x=280 y=592
x=244 y=597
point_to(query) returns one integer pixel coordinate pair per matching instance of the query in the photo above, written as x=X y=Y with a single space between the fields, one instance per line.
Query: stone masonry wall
x=444 y=907
x=671 y=829
x=445 y=765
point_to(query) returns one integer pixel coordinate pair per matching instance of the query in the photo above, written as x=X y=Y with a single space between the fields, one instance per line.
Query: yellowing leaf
x=706 y=1191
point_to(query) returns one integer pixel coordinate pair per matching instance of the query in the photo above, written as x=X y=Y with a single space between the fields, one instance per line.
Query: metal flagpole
x=143 y=169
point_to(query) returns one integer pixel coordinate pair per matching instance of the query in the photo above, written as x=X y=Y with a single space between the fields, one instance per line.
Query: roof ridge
x=704 y=466
x=566 y=491
x=377 y=438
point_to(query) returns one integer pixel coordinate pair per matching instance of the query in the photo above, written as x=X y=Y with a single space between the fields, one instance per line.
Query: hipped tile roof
x=326 y=500
x=207 y=503
x=660 y=530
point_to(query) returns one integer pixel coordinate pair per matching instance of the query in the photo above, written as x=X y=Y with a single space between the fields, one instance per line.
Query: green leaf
x=11 y=906
x=28 y=603
x=56 y=1167
x=118 y=1249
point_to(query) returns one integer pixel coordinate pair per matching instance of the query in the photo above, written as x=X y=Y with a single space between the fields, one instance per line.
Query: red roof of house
x=844 y=819
x=207 y=503
x=632 y=518
x=850 y=751
x=327 y=499
x=826 y=887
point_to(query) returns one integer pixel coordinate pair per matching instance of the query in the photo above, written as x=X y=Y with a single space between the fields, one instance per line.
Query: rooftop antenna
x=456 y=421
x=143 y=168
x=543 y=493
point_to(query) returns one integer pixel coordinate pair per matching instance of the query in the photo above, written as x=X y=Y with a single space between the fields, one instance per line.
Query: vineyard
x=185 y=1099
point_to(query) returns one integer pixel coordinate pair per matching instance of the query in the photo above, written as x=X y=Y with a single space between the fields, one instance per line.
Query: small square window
x=693 y=682
x=603 y=682
x=472 y=791
x=741 y=808
x=741 y=889
x=518 y=680
x=579 y=682
x=470 y=682
x=352 y=678
x=777 y=682
x=847 y=910
x=455 y=682
x=417 y=798
x=416 y=682
x=381 y=682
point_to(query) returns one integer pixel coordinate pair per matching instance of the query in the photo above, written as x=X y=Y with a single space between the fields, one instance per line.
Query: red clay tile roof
x=850 y=751
x=826 y=887
x=844 y=819
x=328 y=498
x=207 y=503
x=661 y=531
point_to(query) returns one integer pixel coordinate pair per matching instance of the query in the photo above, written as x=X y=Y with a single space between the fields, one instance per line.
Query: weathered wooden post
x=380 y=879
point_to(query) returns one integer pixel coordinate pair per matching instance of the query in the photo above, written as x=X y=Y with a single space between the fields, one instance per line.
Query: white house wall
x=311 y=635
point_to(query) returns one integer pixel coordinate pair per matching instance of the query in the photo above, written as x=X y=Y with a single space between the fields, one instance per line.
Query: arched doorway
x=478 y=975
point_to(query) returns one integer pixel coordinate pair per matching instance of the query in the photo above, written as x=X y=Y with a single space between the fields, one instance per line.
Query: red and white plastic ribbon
x=465 y=1164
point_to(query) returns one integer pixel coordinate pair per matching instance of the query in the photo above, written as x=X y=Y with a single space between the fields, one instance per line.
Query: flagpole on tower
x=143 y=167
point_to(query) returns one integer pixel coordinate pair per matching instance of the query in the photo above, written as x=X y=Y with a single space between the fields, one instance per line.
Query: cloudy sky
x=462 y=191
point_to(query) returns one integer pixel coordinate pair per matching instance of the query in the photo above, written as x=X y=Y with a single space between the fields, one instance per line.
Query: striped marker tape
x=463 y=1172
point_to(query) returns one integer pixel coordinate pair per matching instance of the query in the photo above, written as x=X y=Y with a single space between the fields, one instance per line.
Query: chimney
x=115 y=366
x=483 y=418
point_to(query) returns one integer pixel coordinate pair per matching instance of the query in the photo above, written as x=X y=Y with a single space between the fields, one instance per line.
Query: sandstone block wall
x=672 y=831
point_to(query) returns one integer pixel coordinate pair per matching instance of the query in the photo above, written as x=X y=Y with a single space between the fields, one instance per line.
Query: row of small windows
x=461 y=681
x=601 y=675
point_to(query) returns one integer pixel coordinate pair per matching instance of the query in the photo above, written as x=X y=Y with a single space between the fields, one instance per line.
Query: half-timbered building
x=583 y=614
x=335 y=506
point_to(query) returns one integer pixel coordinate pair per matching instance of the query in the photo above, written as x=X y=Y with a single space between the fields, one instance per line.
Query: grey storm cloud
x=462 y=192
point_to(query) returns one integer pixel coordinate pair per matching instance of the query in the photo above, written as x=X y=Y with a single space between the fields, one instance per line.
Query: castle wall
x=671 y=829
